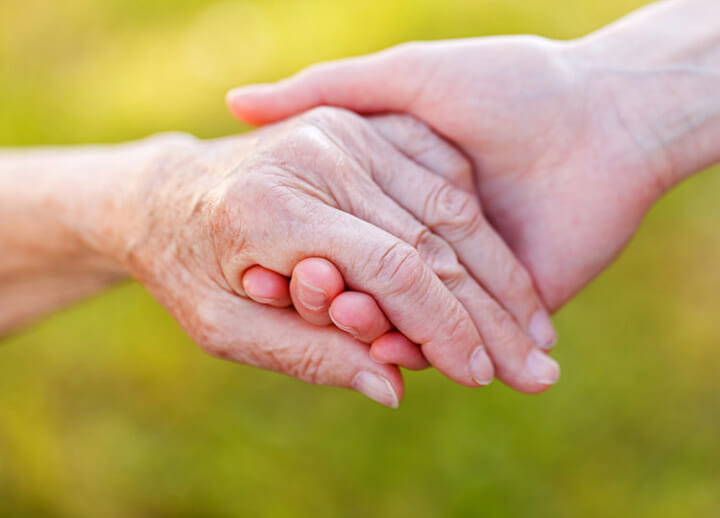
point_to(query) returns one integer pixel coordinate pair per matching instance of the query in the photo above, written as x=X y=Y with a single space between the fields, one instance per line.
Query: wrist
x=71 y=219
x=659 y=71
x=171 y=200
x=140 y=198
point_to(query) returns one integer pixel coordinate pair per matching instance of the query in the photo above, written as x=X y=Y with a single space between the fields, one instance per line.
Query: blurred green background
x=107 y=410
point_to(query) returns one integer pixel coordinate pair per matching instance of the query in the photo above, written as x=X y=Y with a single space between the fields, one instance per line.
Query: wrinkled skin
x=324 y=184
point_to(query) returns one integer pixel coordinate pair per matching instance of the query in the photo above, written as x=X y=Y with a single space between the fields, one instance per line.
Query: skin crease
x=571 y=142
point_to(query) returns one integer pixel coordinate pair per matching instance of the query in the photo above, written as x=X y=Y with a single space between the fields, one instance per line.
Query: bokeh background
x=108 y=410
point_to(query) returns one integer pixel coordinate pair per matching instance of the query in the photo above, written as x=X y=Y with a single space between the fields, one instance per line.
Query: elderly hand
x=477 y=245
x=327 y=184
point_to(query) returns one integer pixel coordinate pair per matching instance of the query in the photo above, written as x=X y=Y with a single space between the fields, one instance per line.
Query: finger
x=395 y=348
x=280 y=340
x=266 y=287
x=506 y=329
x=355 y=313
x=414 y=193
x=438 y=256
x=386 y=81
x=370 y=259
x=423 y=146
x=509 y=346
x=421 y=307
x=407 y=290
x=359 y=315
x=314 y=284
x=455 y=215
x=493 y=322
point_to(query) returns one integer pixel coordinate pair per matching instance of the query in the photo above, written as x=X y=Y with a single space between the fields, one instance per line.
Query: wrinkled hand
x=561 y=173
x=325 y=184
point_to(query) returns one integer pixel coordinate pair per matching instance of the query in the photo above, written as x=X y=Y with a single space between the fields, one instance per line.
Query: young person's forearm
x=61 y=215
x=663 y=65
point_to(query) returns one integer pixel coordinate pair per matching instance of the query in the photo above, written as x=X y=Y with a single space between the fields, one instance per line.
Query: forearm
x=64 y=221
x=662 y=64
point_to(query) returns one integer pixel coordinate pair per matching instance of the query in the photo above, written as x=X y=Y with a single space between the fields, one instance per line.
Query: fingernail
x=349 y=330
x=376 y=388
x=543 y=368
x=311 y=297
x=481 y=368
x=261 y=300
x=254 y=292
x=542 y=331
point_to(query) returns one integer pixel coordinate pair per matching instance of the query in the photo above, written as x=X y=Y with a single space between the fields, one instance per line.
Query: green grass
x=108 y=410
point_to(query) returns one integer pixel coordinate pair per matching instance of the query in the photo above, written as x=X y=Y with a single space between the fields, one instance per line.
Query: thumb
x=382 y=82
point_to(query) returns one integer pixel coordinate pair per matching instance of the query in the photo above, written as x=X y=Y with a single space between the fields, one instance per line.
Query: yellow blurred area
x=107 y=410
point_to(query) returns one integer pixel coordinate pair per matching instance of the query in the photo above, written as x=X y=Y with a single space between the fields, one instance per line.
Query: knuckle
x=329 y=116
x=321 y=113
x=461 y=328
x=441 y=258
x=457 y=213
x=312 y=131
x=518 y=283
x=454 y=278
x=401 y=268
x=338 y=133
x=315 y=145
x=424 y=241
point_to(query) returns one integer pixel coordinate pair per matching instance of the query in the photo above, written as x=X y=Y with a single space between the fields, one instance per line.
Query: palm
x=553 y=174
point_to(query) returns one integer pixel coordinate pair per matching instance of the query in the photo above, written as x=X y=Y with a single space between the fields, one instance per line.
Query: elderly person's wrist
x=138 y=200
x=82 y=211
x=64 y=217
